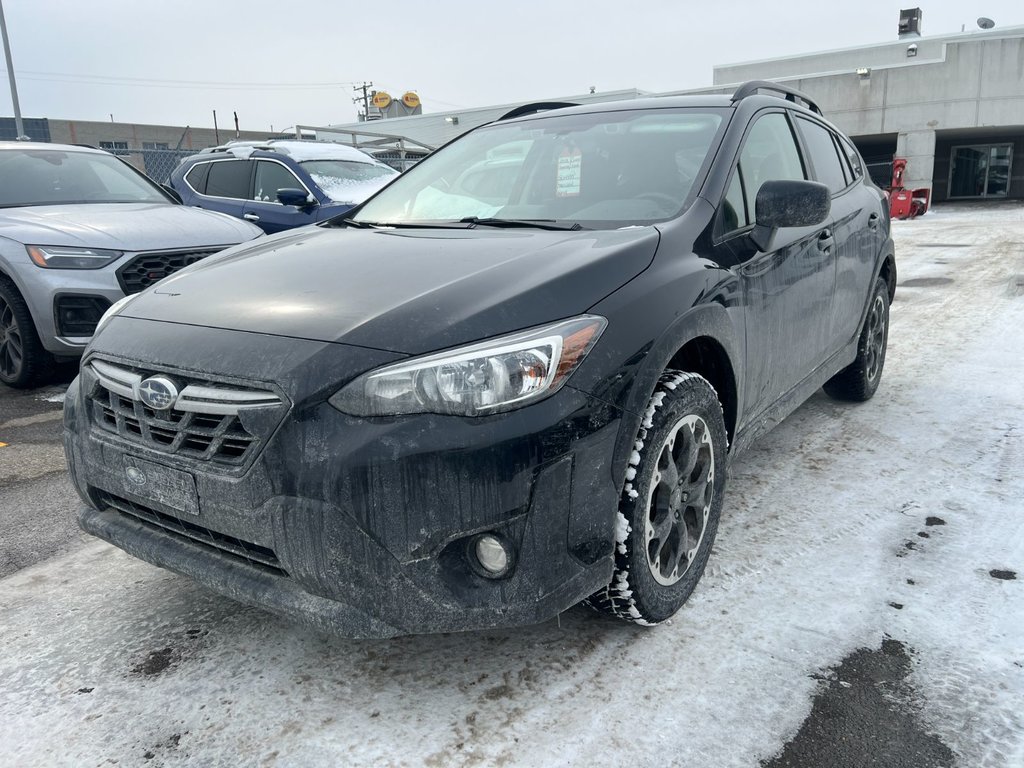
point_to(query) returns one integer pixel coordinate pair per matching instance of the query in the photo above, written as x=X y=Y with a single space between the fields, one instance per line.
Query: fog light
x=492 y=555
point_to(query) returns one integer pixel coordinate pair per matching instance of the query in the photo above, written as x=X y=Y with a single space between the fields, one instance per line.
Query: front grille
x=240 y=549
x=148 y=268
x=204 y=421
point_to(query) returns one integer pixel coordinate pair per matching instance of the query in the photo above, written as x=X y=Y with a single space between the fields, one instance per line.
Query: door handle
x=250 y=217
x=825 y=242
x=873 y=221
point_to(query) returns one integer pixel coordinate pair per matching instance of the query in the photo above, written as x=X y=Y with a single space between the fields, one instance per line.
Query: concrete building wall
x=837 y=60
x=967 y=82
x=135 y=134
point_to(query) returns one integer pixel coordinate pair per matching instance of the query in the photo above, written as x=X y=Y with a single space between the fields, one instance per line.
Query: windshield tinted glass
x=608 y=169
x=50 y=176
x=344 y=180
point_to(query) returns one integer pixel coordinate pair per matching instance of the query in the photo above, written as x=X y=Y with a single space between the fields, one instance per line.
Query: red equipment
x=905 y=203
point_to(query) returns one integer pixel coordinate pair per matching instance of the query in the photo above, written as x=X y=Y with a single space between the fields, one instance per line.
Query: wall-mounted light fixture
x=863 y=72
x=912 y=50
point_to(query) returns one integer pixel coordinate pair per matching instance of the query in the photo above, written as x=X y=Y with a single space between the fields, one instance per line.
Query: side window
x=769 y=154
x=270 y=177
x=228 y=178
x=823 y=155
x=196 y=177
x=853 y=156
x=734 y=209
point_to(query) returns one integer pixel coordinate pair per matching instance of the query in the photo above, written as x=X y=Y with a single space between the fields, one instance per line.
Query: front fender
x=646 y=330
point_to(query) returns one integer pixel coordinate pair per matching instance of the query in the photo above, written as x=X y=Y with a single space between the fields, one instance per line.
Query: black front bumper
x=368 y=522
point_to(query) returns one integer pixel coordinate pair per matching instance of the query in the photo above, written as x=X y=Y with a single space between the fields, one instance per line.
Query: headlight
x=61 y=257
x=114 y=308
x=492 y=376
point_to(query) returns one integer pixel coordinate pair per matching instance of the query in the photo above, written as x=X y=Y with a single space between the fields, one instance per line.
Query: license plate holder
x=162 y=486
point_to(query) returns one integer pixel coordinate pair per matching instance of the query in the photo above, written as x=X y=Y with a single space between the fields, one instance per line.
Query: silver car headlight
x=66 y=257
x=496 y=375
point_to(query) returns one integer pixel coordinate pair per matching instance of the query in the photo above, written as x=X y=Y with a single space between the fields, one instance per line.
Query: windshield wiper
x=472 y=221
x=358 y=224
x=398 y=224
x=531 y=223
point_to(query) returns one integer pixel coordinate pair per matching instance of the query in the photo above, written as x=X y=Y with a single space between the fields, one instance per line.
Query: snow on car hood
x=123 y=226
x=400 y=290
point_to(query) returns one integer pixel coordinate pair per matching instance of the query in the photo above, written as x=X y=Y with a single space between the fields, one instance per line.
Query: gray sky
x=279 y=63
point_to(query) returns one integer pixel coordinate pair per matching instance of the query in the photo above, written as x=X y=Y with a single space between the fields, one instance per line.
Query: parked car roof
x=299 y=151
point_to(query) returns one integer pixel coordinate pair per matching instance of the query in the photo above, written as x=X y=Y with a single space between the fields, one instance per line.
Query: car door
x=263 y=208
x=851 y=222
x=855 y=268
x=786 y=290
x=227 y=186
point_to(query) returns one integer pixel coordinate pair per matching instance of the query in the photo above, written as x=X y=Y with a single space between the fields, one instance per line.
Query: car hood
x=123 y=226
x=400 y=290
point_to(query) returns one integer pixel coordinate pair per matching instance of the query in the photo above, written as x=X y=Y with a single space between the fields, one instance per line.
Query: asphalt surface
x=865 y=717
x=862 y=606
x=36 y=498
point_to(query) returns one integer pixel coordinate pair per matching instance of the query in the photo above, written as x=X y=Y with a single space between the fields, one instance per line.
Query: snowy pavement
x=898 y=520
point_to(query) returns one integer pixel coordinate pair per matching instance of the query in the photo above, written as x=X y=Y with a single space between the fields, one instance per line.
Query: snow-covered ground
x=839 y=516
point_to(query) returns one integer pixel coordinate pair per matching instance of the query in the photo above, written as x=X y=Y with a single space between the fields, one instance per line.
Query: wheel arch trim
x=708 y=324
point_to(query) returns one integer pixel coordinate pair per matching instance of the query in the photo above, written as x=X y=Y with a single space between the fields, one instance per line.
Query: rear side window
x=228 y=178
x=853 y=156
x=824 y=157
x=196 y=177
x=769 y=154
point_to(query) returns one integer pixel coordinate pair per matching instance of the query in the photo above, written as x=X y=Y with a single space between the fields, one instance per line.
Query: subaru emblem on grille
x=158 y=392
x=135 y=475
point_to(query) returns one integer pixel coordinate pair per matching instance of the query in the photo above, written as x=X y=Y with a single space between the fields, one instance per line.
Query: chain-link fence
x=400 y=161
x=155 y=163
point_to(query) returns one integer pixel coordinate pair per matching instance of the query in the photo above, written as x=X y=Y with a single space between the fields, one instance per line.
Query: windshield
x=348 y=180
x=598 y=170
x=53 y=177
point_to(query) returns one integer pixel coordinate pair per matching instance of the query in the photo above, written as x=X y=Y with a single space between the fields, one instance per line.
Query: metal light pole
x=18 y=125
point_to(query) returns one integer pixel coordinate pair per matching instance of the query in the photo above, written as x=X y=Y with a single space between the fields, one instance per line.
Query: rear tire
x=670 y=506
x=23 y=361
x=859 y=380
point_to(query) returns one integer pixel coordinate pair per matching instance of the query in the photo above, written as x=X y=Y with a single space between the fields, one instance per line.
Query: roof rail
x=537 y=106
x=789 y=94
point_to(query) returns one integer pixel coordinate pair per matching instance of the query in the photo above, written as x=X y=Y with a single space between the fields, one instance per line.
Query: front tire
x=23 y=361
x=859 y=381
x=671 y=503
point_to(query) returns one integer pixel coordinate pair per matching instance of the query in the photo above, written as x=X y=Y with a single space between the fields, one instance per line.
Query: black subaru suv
x=509 y=382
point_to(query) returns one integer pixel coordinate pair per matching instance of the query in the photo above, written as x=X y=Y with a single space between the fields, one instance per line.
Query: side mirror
x=296 y=197
x=788 y=204
x=172 y=192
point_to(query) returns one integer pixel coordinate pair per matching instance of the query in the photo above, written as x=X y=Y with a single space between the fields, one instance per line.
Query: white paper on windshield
x=570 y=171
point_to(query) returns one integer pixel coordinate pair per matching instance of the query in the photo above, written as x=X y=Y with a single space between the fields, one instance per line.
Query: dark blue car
x=280 y=185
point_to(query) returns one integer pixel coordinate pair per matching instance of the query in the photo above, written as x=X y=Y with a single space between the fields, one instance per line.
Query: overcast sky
x=280 y=63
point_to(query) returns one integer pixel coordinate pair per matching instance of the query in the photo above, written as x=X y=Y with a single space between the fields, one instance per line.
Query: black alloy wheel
x=859 y=380
x=23 y=361
x=671 y=502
